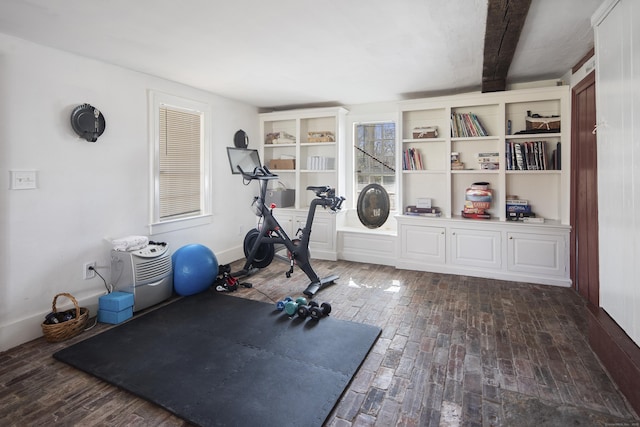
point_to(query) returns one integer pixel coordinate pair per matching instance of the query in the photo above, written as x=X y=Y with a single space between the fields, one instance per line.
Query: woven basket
x=64 y=330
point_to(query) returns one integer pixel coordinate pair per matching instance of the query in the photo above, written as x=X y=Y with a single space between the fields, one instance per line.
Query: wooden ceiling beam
x=505 y=19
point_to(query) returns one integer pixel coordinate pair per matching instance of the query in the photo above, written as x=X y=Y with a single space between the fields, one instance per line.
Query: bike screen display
x=248 y=160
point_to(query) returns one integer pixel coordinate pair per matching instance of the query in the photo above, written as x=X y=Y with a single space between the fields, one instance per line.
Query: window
x=180 y=161
x=375 y=157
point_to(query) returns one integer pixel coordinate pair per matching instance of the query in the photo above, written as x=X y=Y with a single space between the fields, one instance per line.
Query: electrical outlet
x=86 y=272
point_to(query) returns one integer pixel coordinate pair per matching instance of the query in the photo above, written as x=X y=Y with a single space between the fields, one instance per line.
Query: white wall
x=89 y=191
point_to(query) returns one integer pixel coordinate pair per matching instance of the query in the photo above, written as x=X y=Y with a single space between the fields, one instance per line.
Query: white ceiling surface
x=305 y=52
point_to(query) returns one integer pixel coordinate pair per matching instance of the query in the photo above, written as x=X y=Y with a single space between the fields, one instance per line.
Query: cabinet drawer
x=475 y=248
x=536 y=253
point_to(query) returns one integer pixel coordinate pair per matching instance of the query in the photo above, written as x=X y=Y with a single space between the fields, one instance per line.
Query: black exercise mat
x=214 y=359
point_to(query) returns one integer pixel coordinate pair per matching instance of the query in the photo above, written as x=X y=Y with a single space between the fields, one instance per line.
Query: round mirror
x=373 y=206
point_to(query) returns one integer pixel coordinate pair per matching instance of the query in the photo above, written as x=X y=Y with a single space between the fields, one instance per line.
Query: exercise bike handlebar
x=326 y=196
x=261 y=172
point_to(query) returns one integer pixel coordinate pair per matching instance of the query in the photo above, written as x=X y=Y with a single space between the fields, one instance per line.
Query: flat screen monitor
x=246 y=158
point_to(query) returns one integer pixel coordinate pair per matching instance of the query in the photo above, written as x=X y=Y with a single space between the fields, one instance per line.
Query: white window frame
x=384 y=113
x=155 y=102
x=396 y=175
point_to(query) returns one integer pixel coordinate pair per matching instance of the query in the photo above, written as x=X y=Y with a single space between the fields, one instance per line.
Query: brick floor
x=454 y=351
x=457 y=350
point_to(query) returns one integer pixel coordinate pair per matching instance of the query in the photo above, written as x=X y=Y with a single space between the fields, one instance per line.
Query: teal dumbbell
x=280 y=304
x=291 y=307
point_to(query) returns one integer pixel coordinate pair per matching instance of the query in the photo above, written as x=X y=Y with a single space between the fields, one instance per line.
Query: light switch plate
x=23 y=179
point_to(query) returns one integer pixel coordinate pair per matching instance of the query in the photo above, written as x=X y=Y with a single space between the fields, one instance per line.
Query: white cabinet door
x=422 y=244
x=475 y=248
x=543 y=254
x=322 y=231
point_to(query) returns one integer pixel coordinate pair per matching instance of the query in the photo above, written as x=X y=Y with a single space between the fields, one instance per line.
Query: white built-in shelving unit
x=307 y=149
x=496 y=247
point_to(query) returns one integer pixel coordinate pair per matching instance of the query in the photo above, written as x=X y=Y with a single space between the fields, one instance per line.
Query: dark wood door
x=584 y=191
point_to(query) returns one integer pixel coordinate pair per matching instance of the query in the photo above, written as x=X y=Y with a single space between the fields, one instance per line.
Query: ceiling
x=282 y=53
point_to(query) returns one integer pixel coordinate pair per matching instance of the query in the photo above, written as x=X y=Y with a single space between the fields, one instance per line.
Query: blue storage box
x=115 y=317
x=115 y=301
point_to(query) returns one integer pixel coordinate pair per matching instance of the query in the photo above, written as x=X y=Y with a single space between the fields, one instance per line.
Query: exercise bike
x=260 y=243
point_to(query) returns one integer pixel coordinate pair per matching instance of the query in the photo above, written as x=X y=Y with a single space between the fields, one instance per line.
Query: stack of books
x=413 y=210
x=489 y=160
x=477 y=200
x=520 y=210
x=423 y=207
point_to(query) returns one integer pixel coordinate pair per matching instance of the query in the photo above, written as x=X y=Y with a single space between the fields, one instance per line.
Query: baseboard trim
x=29 y=327
x=617 y=352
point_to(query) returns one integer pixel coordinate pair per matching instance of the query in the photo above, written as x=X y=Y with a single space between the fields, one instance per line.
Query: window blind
x=180 y=164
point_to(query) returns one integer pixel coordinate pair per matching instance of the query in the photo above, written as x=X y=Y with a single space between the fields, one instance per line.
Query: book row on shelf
x=321 y=163
x=526 y=155
x=531 y=155
x=466 y=125
x=412 y=159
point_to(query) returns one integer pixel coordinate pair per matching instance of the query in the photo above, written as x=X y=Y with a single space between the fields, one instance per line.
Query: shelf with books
x=427 y=184
x=318 y=157
x=412 y=159
x=543 y=197
x=536 y=135
x=490 y=244
x=432 y=156
x=539 y=154
x=527 y=118
x=474 y=121
x=304 y=145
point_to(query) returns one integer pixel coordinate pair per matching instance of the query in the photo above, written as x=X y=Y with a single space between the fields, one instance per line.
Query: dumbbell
x=292 y=306
x=318 y=312
x=280 y=304
x=304 y=310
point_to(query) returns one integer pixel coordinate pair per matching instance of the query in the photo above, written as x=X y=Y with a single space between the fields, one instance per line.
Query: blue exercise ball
x=195 y=268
